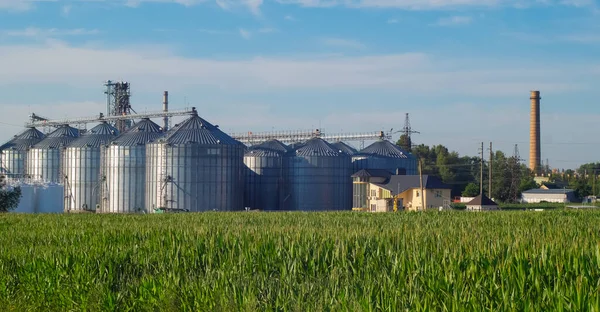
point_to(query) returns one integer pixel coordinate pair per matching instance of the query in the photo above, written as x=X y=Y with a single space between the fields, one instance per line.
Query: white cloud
x=454 y=21
x=581 y=38
x=214 y=31
x=343 y=43
x=49 y=32
x=58 y=62
x=290 y=18
x=393 y=21
x=66 y=10
x=245 y=34
x=267 y=30
x=432 y=4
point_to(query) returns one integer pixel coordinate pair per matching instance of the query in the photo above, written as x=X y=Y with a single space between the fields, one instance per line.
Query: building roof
x=548 y=191
x=481 y=200
x=145 y=131
x=196 y=130
x=384 y=148
x=271 y=148
x=372 y=173
x=61 y=137
x=345 y=148
x=400 y=183
x=24 y=140
x=100 y=135
x=317 y=147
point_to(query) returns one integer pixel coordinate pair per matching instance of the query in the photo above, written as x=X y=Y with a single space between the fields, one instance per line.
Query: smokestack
x=165 y=110
x=534 y=134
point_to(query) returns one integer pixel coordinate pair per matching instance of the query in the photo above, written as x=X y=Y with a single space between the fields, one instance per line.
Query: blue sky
x=463 y=69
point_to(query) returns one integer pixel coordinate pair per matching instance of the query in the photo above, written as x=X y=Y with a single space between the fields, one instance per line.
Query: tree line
x=510 y=177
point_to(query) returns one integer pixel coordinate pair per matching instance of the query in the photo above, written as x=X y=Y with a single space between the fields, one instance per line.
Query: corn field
x=455 y=261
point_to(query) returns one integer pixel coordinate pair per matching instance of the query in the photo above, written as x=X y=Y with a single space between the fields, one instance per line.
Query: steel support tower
x=118 y=104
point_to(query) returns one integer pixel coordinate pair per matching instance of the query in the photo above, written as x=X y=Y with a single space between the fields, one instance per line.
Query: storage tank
x=319 y=177
x=28 y=201
x=50 y=198
x=195 y=167
x=14 y=152
x=387 y=156
x=82 y=165
x=345 y=148
x=264 y=179
x=124 y=169
x=44 y=158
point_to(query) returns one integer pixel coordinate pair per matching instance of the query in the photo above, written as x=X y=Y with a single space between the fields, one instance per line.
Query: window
x=417 y=193
x=373 y=207
x=373 y=193
x=438 y=194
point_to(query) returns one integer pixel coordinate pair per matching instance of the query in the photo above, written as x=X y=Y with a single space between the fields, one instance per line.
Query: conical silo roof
x=384 y=148
x=145 y=131
x=317 y=147
x=24 y=140
x=60 y=137
x=345 y=148
x=196 y=130
x=271 y=148
x=100 y=135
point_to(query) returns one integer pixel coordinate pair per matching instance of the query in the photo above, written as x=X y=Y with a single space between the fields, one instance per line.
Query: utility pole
x=481 y=172
x=490 y=171
x=421 y=184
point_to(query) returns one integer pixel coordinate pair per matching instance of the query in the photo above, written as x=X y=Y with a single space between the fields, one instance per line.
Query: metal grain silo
x=82 y=168
x=264 y=178
x=195 y=167
x=345 y=148
x=124 y=169
x=44 y=160
x=319 y=177
x=14 y=152
x=387 y=156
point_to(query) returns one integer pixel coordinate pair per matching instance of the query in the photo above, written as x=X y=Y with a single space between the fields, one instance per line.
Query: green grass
x=504 y=261
x=508 y=206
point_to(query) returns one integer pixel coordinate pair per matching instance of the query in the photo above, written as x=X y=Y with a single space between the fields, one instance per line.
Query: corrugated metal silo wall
x=81 y=166
x=263 y=182
x=318 y=183
x=13 y=163
x=124 y=168
x=44 y=164
x=385 y=163
x=204 y=177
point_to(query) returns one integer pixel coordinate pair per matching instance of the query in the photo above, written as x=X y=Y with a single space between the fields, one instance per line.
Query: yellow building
x=380 y=191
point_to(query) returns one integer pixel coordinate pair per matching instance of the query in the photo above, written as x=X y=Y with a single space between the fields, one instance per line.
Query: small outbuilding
x=482 y=202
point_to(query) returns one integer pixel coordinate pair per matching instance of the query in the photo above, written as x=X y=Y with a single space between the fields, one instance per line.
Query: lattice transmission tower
x=407 y=131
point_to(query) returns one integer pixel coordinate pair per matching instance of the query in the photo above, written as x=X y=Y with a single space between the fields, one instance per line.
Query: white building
x=550 y=196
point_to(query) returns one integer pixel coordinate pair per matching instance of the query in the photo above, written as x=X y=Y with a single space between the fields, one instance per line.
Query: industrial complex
x=127 y=163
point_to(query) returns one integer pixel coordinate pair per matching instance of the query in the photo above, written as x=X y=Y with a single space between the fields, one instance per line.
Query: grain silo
x=195 y=167
x=82 y=168
x=44 y=160
x=124 y=169
x=387 y=156
x=319 y=177
x=264 y=178
x=14 y=152
x=345 y=148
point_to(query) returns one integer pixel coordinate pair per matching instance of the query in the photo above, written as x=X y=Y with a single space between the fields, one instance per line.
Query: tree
x=9 y=198
x=471 y=190
x=405 y=143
